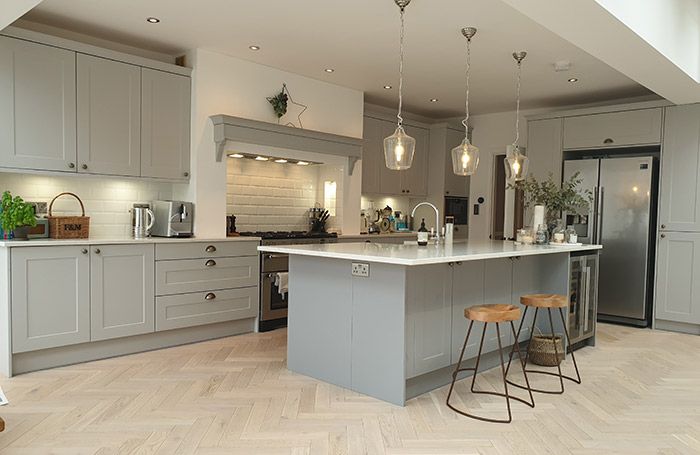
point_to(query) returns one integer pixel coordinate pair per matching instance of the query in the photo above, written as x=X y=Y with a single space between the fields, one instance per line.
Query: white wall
x=107 y=200
x=227 y=85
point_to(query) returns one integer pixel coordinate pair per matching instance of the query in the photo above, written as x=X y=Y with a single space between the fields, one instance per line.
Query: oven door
x=273 y=305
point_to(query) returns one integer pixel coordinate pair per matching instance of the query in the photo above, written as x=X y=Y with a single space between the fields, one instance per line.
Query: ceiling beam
x=14 y=9
x=594 y=29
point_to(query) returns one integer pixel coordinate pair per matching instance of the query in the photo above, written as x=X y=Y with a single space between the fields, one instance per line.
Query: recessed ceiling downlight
x=434 y=100
x=152 y=20
x=235 y=155
x=387 y=87
x=280 y=160
x=254 y=48
x=573 y=79
x=261 y=158
x=303 y=163
x=329 y=70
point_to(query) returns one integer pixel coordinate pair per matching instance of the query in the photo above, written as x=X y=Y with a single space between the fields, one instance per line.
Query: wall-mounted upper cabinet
x=91 y=110
x=109 y=117
x=165 y=132
x=37 y=106
x=615 y=129
x=377 y=178
x=544 y=148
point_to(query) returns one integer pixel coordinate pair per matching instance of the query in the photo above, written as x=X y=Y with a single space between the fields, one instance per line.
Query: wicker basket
x=541 y=350
x=68 y=227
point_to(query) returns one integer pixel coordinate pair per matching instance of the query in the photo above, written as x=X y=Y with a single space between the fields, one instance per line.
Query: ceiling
x=359 y=40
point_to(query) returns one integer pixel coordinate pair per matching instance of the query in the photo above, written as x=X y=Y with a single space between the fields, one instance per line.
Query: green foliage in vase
x=279 y=103
x=15 y=213
x=567 y=197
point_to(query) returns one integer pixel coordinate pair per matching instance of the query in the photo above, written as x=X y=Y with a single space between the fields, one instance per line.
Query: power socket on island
x=360 y=269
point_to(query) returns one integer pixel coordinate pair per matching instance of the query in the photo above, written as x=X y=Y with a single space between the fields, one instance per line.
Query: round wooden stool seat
x=492 y=312
x=545 y=300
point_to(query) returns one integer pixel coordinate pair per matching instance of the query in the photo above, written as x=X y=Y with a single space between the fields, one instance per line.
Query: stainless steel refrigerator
x=621 y=219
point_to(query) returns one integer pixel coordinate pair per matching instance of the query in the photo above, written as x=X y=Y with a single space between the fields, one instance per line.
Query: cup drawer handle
x=210 y=249
x=210 y=263
x=210 y=296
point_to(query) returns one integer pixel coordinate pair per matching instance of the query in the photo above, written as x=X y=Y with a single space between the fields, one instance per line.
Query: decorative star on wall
x=300 y=108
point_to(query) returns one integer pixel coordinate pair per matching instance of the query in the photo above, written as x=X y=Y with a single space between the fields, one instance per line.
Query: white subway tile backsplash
x=107 y=200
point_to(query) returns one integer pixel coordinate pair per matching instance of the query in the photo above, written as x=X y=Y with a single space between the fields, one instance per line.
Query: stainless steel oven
x=273 y=303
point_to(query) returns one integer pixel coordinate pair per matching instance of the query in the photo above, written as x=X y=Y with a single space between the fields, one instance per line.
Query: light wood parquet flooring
x=641 y=395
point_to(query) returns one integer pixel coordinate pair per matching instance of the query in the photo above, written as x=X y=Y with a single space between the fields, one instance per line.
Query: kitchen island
x=388 y=320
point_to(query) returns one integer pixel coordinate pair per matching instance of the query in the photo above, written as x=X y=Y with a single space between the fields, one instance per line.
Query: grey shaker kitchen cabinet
x=198 y=275
x=109 y=116
x=544 y=148
x=428 y=318
x=122 y=291
x=677 y=272
x=614 y=129
x=50 y=297
x=372 y=156
x=37 y=106
x=165 y=125
x=679 y=199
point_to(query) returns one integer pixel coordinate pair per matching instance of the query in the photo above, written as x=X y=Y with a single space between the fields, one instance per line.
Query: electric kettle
x=142 y=219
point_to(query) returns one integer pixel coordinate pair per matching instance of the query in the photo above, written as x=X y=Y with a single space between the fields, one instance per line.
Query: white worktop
x=117 y=241
x=389 y=235
x=422 y=255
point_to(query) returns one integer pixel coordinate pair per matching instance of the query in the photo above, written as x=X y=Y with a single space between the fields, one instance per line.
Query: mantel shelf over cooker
x=254 y=132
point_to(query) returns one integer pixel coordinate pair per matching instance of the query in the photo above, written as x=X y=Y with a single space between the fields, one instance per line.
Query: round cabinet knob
x=84 y=166
x=663 y=226
x=84 y=251
x=608 y=141
x=186 y=174
x=210 y=249
x=97 y=251
x=71 y=165
x=210 y=263
x=663 y=236
x=210 y=296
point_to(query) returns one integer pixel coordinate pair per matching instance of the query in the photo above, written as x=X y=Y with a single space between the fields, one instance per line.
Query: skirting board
x=681 y=327
x=85 y=352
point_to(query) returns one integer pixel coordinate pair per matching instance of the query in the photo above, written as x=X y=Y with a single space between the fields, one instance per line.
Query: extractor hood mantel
x=254 y=132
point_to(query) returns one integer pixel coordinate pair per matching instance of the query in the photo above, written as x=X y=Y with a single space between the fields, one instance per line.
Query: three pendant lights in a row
x=399 y=148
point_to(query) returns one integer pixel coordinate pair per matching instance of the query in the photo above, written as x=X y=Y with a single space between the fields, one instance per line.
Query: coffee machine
x=173 y=219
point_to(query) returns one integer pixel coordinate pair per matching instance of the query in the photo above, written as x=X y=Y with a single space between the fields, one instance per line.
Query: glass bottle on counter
x=422 y=234
x=541 y=238
x=559 y=233
x=571 y=235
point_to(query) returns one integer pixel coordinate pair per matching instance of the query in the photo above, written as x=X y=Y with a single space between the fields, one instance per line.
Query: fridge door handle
x=599 y=216
x=592 y=230
x=587 y=298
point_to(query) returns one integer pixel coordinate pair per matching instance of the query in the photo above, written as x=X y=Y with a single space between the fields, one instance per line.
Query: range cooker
x=273 y=304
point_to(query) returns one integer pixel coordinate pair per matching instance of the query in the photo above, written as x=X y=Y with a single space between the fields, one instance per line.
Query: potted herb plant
x=567 y=197
x=16 y=217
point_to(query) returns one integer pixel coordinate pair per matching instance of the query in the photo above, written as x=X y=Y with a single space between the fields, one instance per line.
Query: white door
x=679 y=201
x=122 y=290
x=50 y=297
x=109 y=117
x=678 y=277
x=165 y=130
x=37 y=106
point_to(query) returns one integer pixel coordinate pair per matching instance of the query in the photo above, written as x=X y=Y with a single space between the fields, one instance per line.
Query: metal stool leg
x=459 y=363
x=571 y=351
x=522 y=365
x=478 y=356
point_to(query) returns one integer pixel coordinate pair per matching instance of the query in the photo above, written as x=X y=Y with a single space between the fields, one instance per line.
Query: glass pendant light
x=465 y=157
x=516 y=162
x=400 y=147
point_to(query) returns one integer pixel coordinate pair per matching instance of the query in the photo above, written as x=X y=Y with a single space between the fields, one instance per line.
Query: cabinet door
x=467 y=290
x=415 y=179
x=614 y=129
x=428 y=319
x=678 y=278
x=372 y=155
x=679 y=201
x=122 y=292
x=391 y=182
x=50 y=297
x=37 y=106
x=109 y=117
x=455 y=185
x=165 y=128
x=544 y=148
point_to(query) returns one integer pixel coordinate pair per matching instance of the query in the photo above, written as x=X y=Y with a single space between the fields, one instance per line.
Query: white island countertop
x=422 y=255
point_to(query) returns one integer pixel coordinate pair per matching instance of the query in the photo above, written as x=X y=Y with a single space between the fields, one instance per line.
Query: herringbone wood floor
x=641 y=394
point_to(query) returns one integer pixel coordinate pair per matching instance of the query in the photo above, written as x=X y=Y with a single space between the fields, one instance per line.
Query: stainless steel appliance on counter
x=273 y=303
x=173 y=219
x=622 y=219
x=142 y=219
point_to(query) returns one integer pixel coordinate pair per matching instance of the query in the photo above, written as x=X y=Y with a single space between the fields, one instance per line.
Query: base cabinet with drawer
x=199 y=308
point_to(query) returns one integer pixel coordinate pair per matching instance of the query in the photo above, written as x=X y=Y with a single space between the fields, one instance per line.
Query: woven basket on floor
x=541 y=350
x=68 y=227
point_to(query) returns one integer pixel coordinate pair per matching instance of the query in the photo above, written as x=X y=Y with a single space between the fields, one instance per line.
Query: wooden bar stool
x=2 y=425
x=490 y=313
x=547 y=301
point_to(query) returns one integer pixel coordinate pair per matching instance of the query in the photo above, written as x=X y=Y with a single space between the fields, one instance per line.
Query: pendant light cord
x=398 y=116
x=517 y=106
x=465 y=122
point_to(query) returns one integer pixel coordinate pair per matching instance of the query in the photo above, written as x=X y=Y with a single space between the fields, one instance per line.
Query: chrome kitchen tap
x=437 y=218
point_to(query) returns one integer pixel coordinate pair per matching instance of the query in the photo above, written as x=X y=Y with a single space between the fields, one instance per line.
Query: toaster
x=173 y=219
